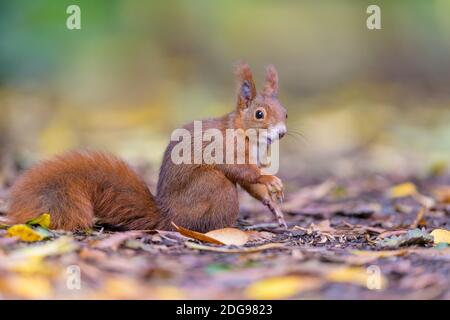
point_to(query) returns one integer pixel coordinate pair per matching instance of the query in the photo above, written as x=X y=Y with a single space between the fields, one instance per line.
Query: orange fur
x=77 y=187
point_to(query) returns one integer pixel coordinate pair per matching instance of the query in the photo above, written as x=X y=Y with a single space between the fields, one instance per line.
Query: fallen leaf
x=254 y=235
x=441 y=236
x=409 y=189
x=357 y=275
x=197 y=246
x=323 y=226
x=403 y=190
x=196 y=235
x=27 y=233
x=43 y=221
x=229 y=236
x=281 y=287
x=411 y=237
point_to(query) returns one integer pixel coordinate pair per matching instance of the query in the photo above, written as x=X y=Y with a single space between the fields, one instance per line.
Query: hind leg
x=208 y=202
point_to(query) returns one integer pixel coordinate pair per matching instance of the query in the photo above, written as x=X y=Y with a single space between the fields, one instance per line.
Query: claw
x=278 y=214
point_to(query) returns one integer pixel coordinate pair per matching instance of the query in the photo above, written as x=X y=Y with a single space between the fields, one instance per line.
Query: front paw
x=274 y=186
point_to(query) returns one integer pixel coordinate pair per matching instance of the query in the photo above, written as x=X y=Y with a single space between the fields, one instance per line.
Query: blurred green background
x=363 y=100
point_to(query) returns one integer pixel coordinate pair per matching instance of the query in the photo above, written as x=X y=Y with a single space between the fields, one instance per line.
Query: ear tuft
x=246 y=91
x=246 y=85
x=271 y=83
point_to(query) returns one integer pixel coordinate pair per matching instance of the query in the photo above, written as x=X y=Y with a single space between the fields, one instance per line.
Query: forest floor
x=371 y=237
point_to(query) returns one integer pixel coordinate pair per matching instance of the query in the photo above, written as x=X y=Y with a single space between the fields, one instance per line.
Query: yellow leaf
x=169 y=293
x=356 y=275
x=43 y=220
x=403 y=190
x=281 y=287
x=26 y=287
x=441 y=236
x=229 y=236
x=25 y=233
x=122 y=288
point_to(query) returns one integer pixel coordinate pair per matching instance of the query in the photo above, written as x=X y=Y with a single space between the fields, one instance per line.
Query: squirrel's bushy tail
x=77 y=187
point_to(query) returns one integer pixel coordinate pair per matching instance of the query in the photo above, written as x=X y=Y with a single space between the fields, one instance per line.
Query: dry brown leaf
x=254 y=235
x=323 y=226
x=229 y=236
x=196 y=235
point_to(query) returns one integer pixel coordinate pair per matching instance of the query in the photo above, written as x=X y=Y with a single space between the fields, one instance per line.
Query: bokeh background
x=363 y=100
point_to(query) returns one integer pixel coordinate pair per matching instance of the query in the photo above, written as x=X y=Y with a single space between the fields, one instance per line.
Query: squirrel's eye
x=259 y=114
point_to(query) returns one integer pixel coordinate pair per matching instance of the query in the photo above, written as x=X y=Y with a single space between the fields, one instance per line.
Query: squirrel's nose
x=281 y=134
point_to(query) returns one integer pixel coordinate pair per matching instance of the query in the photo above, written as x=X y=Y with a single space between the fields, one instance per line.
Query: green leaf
x=412 y=237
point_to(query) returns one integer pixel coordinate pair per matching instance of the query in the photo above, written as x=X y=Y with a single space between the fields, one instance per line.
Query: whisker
x=297 y=138
x=298 y=134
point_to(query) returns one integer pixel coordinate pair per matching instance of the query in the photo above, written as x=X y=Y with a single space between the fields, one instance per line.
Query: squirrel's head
x=260 y=110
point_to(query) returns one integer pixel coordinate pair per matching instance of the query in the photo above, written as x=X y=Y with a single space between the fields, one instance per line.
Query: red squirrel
x=77 y=187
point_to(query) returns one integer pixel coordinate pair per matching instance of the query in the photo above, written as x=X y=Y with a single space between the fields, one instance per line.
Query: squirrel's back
x=77 y=187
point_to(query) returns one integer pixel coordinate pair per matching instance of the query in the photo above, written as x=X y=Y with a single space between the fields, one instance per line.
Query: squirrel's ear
x=271 y=84
x=246 y=89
